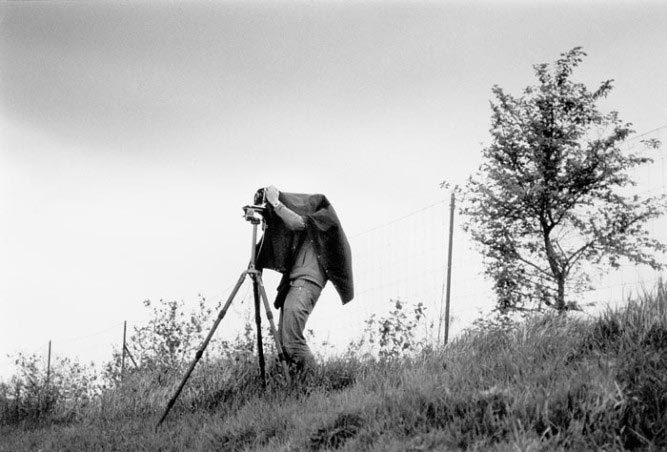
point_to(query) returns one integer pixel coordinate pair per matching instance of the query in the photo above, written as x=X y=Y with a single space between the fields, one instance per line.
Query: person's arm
x=292 y=220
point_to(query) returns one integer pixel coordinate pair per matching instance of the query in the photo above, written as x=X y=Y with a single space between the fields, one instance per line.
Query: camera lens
x=259 y=197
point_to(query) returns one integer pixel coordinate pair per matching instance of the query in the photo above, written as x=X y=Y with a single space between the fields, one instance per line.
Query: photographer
x=306 y=243
x=303 y=240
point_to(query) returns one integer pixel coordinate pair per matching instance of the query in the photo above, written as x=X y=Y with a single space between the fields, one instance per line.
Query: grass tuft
x=336 y=433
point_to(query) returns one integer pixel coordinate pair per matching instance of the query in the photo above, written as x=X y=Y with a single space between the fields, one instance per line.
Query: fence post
x=48 y=366
x=129 y=355
x=43 y=402
x=122 y=359
x=449 y=264
x=17 y=400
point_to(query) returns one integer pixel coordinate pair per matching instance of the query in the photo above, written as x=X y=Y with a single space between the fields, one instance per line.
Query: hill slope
x=548 y=383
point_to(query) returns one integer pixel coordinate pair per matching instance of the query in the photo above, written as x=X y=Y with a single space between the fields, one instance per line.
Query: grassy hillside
x=548 y=383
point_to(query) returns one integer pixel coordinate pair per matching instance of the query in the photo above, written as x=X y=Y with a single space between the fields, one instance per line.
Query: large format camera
x=255 y=212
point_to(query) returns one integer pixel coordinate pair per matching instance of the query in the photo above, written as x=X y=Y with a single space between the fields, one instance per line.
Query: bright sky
x=132 y=133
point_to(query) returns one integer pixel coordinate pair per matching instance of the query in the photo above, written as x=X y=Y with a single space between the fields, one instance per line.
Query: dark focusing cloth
x=278 y=247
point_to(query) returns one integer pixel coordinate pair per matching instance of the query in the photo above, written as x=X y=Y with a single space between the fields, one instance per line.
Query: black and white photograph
x=315 y=225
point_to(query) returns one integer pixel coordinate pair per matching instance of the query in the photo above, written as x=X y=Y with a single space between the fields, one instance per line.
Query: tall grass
x=548 y=383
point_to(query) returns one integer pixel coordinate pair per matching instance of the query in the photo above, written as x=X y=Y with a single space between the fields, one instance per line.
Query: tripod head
x=254 y=214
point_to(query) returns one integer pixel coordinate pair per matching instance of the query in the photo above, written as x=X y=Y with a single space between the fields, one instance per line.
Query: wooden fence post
x=122 y=359
x=449 y=264
x=48 y=366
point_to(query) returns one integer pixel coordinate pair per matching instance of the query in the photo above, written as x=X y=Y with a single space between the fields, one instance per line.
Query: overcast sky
x=132 y=133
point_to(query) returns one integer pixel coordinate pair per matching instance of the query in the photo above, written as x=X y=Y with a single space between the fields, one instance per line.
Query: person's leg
x=280 y=333
x=294 y=314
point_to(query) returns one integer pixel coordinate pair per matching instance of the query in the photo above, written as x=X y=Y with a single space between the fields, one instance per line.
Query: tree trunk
x=555 y=265
x=560 y=298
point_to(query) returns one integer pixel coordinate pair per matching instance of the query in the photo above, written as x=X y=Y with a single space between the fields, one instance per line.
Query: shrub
x=70 y=389
x=392 y=336
x=167 y=343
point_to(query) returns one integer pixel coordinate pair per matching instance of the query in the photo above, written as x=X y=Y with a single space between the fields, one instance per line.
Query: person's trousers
x=299 y=303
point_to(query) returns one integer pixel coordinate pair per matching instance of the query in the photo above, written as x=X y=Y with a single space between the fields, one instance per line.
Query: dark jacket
x=278 y=247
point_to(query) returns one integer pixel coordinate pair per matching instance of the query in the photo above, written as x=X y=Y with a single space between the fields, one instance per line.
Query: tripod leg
x=269 y=315
x=258 y=322
x=202 y=348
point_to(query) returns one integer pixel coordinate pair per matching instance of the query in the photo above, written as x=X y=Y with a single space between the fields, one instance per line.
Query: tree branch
x=577 y=254
x=535 y=266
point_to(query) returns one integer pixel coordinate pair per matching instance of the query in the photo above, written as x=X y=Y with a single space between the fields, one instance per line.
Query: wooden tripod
x=253 y=215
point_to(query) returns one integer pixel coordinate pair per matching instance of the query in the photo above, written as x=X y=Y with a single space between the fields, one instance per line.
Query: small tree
x=549 y=200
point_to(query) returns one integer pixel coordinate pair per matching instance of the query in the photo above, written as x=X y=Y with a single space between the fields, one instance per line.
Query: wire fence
x=405 y=259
